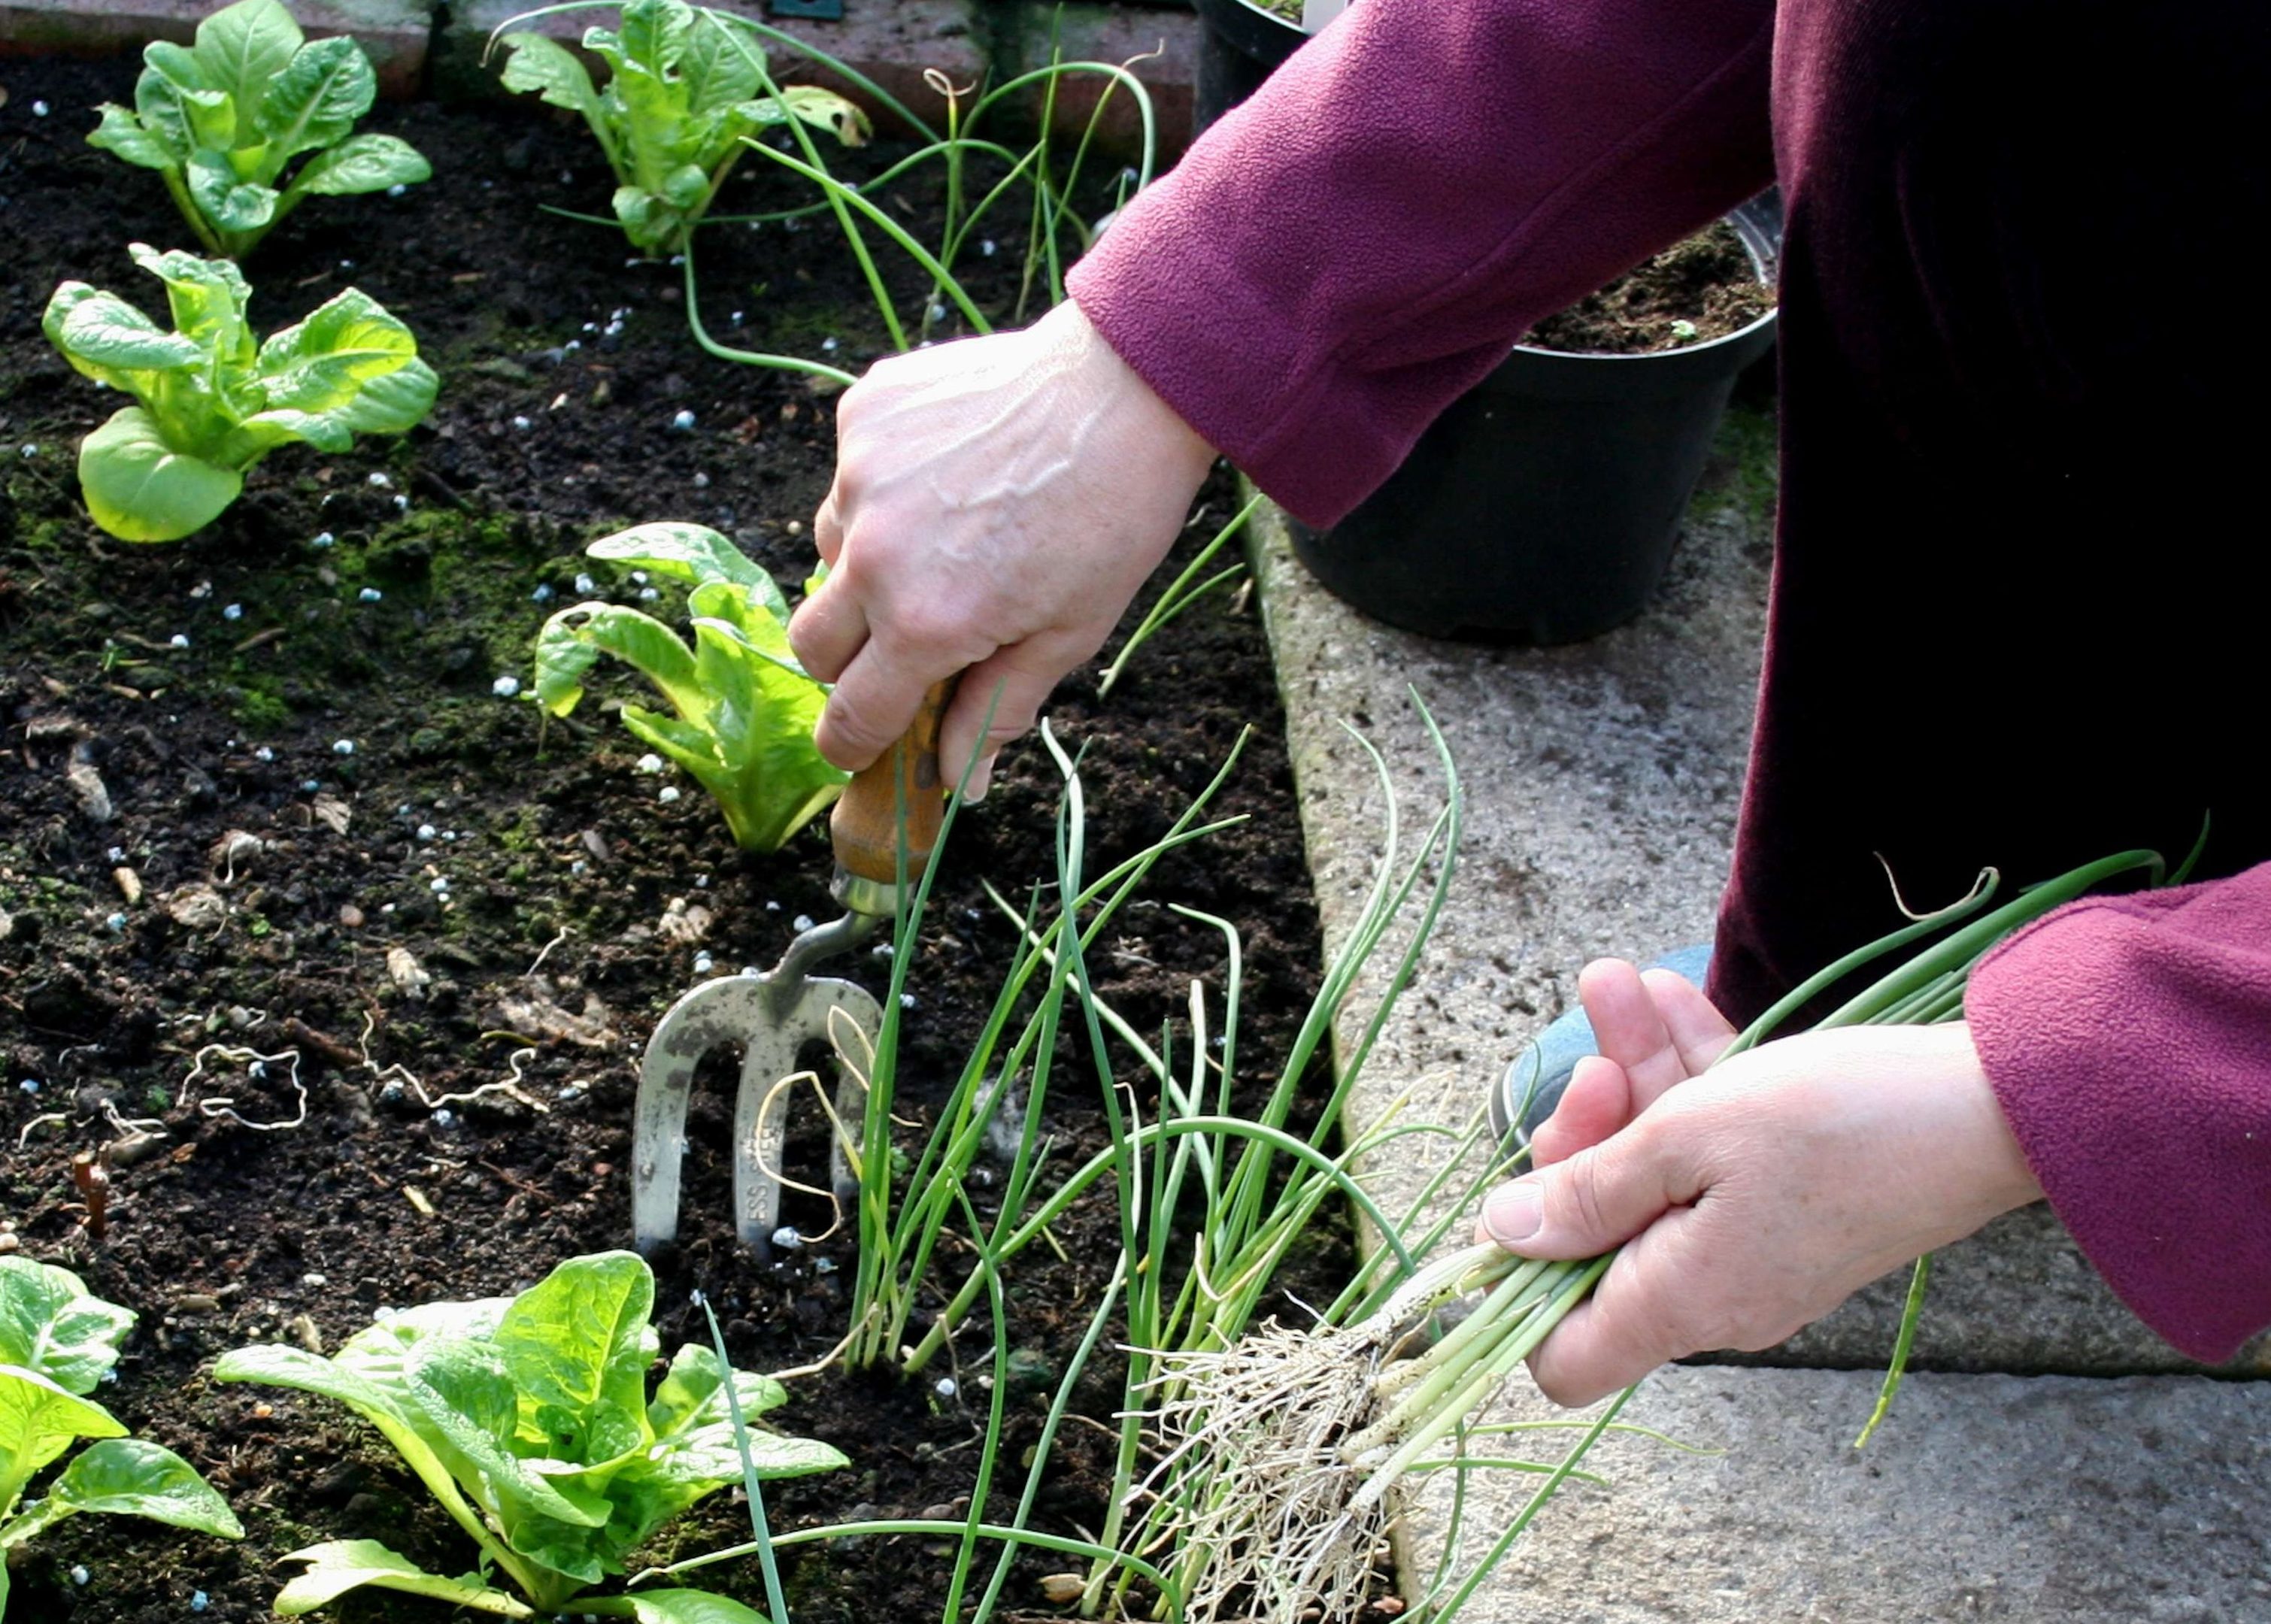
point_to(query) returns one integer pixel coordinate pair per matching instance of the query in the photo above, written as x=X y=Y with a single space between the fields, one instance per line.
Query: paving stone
x=2035 y=1499
x=394 y=32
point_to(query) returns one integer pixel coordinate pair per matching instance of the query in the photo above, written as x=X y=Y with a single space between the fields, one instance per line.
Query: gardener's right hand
x=997 y=502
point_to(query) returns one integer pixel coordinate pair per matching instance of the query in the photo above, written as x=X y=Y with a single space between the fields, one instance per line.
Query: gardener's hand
x=1751 y=1201
x=997 y=502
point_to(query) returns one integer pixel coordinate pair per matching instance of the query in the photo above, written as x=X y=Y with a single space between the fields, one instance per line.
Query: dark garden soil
x=1697 y=290
x=252 y=878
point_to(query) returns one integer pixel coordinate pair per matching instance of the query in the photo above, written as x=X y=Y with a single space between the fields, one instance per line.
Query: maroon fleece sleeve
x=1353 y=248
x=2129 y=1041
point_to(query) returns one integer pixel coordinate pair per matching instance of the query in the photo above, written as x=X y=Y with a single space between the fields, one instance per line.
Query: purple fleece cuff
x=1355 y=246
x=2129 y=1041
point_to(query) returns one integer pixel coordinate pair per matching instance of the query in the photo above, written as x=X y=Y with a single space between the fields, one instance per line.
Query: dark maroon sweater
x=2019 y=573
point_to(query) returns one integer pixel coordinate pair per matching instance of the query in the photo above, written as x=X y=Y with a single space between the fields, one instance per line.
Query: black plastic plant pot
x=1239 y=45
x=1542 y=506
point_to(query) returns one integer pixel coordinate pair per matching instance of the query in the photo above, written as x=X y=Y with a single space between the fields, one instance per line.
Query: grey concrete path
x=1601 y=783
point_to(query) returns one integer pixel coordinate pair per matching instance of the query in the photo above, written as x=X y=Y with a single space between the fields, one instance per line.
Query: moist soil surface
x=1702 y=288
x=258 y=796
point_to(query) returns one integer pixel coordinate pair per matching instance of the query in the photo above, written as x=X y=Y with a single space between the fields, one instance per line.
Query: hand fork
x=772 y=1016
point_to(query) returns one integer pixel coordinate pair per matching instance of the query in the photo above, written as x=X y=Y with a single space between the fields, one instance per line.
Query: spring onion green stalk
x=1287 y=1447
x=1184 y=591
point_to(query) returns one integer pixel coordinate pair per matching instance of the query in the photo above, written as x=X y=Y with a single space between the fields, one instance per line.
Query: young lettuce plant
x=746 y=709
x=222 y=120
x=680 y=96
x=57 y=1341
x=210 y=401
x=528 y=1419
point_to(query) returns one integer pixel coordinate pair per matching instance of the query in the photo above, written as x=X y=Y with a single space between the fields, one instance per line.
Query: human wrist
x=1155 y=428
x=2002 y=1175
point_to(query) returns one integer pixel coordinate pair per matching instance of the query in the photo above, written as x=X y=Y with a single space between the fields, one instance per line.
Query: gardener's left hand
x=1750 y=1201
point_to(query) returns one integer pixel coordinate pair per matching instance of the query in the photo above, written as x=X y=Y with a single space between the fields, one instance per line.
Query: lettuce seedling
x=746 y=708
x=682 y=91
x=212 y=402
x=57 y=1341
x=223 y=119
x=529 y=1420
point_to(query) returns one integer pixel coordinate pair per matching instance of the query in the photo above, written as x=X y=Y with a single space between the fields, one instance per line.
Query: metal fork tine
x=771 y=1017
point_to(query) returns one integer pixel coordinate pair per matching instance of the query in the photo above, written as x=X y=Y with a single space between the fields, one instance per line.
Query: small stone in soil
x=801 y=923
x=263 y=754
x=669 y=793
x=343 y=746
x=379 y=481
x=682 y=422
x=944 y=1387
x=427 y=831
x=234 y=612
x=788 y=1237
x=586 y=585
x=505 y=687
x=350 y=916
x=370 y=594
x=542 y=594
x=181 y=640
x=324 y=537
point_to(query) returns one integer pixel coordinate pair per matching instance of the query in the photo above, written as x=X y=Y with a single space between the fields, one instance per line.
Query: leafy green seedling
x=681 y=93
x=528 y=1417
x=212 y=402
x=57 y=1341
x=222 y=120
x=746 y=708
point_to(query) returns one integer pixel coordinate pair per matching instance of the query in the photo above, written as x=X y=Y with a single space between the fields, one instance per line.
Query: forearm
x=2128 y=1040
x=1364 y=239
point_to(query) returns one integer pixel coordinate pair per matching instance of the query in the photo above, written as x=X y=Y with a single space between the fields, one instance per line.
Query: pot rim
x=1757 y=222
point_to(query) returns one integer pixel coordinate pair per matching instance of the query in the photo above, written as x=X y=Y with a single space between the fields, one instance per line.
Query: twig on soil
x=297 y=1030
x=517 y=1183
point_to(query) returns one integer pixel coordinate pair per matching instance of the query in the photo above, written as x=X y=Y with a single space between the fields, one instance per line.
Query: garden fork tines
x=773 y=1016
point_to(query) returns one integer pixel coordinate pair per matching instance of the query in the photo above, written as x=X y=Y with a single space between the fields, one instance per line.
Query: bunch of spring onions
x=1300 y=1437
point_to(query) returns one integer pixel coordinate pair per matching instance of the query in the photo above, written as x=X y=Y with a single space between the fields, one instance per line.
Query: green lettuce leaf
x=52 y=1325
x=128 y=1477
x=551 y=70
x=342 y=1565
x=316 y=101
x=139 y=488
x=242 y=49
x=361 y=163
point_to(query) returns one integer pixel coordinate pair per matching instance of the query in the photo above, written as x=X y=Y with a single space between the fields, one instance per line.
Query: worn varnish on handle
x=865 y=825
